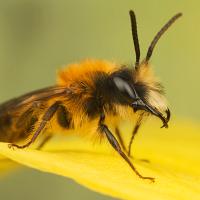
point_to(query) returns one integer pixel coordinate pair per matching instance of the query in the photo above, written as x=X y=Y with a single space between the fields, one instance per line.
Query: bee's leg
x=134 y=132
x=44 y=141
x=113 y=141
x=64 y=119
x=120 y=139
x=47 y=116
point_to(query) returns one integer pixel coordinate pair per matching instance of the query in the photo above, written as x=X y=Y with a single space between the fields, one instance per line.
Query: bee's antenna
x=135 y=37
x=159 y=34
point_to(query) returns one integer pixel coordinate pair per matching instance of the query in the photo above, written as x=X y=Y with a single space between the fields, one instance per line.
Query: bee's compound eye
x=123 y=86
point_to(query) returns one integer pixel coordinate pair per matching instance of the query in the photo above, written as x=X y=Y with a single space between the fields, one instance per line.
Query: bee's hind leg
x=46 y=118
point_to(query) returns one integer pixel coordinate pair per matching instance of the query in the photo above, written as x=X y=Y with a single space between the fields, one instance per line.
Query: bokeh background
x=38 y=37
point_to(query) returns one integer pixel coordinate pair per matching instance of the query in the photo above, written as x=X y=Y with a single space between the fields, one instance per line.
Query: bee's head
x=138 y=87
x=140 y=90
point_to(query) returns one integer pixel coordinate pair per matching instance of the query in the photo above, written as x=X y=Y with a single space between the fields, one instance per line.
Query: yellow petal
x=173 y=154
x=6 y=165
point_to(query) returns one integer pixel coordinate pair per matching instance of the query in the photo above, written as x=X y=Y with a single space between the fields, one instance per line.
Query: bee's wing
x=29 y=98
x=19 y=115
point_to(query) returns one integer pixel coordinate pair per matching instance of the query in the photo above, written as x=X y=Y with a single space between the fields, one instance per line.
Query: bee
x=92 y=93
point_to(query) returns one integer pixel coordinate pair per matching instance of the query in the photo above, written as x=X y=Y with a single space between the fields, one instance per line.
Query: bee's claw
x=13 y=146
x=148 y=178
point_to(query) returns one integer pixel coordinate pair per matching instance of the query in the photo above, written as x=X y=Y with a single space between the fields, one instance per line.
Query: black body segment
x=64 y=117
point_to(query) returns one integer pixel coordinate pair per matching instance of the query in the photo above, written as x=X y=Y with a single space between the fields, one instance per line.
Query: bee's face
x=142 y=95
x=152 y=100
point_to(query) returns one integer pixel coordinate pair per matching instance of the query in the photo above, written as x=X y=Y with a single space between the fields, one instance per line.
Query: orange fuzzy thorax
x=82 y=71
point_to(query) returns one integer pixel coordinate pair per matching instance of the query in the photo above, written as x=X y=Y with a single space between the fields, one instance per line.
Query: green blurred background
x=38 y=37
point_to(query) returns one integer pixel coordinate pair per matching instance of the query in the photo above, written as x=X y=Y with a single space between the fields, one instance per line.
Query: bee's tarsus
x=148 y=178
x=13 y=146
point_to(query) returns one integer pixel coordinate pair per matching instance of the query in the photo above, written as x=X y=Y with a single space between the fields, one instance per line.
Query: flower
x=173 y=156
